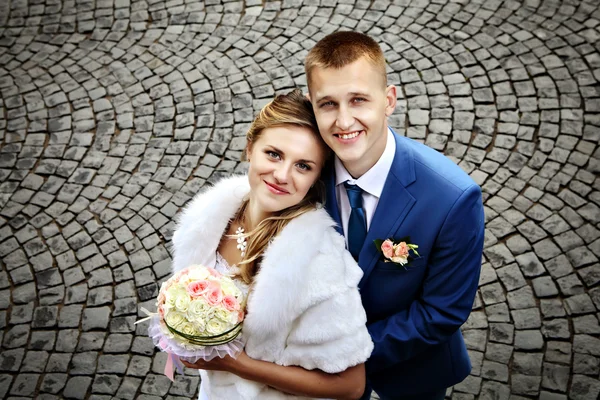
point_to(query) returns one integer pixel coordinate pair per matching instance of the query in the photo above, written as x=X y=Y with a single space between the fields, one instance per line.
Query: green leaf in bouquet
x=215 y=340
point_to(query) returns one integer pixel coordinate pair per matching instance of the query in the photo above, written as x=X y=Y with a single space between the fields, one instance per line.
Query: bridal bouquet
x=199 y=315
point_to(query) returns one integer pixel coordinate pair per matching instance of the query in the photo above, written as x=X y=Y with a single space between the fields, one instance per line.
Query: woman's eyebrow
x=282 y=153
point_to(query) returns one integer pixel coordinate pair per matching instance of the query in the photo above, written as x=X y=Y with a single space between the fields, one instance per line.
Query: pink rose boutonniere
x=397 y=251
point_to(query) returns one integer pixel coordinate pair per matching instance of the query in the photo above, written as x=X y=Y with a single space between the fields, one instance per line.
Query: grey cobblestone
x=113 y=114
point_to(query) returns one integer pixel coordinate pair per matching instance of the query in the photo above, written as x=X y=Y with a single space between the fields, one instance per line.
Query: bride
x=304 y=333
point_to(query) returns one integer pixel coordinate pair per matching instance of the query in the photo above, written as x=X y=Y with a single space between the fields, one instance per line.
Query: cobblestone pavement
x=113 y=113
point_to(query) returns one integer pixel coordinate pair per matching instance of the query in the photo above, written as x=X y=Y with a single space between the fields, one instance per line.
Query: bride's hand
x=227 y=363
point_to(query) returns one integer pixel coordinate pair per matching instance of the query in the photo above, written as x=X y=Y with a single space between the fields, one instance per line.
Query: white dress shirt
x=371 y=182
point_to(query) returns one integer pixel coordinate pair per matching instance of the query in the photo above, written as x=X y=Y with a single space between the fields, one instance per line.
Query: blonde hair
x=339 y=49
x=295 y=109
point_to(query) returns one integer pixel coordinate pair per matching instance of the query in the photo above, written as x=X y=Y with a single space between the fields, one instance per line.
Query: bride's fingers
x=190 y=365
x=216 y=364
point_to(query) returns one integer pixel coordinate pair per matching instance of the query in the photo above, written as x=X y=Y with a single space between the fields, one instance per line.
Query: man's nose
x=344 y=120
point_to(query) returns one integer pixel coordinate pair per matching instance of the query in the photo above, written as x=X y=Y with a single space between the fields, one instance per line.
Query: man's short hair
x=339 y=49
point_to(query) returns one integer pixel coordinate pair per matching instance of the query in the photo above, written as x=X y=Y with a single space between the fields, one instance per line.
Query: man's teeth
x=349 y=135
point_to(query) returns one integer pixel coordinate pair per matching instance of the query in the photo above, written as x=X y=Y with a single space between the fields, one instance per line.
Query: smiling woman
x=286 y=155
x=284 y=163
x=304 y=330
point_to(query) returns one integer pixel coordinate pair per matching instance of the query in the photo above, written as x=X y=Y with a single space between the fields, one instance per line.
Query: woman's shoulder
x=313 y=230
x=333 y=259
x=216 y=199
x=201 y=223
x=235 y=187
x=304 y=265
x=317 y=248
x=314 y=221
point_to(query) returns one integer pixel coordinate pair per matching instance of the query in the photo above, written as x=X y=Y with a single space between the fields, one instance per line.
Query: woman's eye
x=273 y=154
x=304 y=167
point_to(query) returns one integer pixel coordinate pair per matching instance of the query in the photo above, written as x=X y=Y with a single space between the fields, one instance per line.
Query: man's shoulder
x=432 y=166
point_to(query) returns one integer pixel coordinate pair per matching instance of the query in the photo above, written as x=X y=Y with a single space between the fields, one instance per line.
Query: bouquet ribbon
x=149 y=316
x=173 y=360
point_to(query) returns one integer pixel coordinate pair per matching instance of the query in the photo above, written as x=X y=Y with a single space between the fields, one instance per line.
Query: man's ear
x=307 y=95
x=391 y=99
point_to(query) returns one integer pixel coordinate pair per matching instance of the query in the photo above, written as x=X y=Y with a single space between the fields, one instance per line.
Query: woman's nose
x=282 y=173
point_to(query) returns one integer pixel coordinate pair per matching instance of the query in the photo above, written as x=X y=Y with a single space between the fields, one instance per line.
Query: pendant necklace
x=242 y=241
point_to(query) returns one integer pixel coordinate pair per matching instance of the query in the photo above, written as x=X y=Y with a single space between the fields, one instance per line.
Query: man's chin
x=350 y=159
x=348 y=153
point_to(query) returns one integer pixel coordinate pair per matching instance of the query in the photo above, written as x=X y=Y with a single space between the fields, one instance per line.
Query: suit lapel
x=331 y=205
x=393 y=206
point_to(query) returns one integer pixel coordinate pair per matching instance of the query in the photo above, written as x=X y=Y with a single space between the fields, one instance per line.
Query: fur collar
x=204 y=220
x=287 y=273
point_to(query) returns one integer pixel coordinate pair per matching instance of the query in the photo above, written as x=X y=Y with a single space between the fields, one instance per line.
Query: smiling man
x=384 y=186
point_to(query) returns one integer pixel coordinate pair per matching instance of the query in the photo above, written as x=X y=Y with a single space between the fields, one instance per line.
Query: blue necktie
x=357 y=224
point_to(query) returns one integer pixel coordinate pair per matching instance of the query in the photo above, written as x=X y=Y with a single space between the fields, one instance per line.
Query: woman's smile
x=276 y=189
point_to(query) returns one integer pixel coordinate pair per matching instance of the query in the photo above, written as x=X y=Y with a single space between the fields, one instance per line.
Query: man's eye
x=327 y=104
x=359 y=100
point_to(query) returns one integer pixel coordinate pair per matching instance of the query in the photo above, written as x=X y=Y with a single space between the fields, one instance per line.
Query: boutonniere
x=397 y=251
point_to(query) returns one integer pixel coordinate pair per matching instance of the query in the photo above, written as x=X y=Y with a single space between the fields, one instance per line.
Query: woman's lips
x=276 y=189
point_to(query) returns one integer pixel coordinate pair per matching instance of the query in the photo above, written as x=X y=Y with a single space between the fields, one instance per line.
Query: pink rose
x=214 y=272
x=401 y=250
x=240 y=316
x=161 y=298
x=161 y=312
x=197 y=288
x=214 y=295
x=387 y=248
x=230 y=303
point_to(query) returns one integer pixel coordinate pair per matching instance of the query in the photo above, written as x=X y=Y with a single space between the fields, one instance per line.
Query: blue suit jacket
x=414 y=314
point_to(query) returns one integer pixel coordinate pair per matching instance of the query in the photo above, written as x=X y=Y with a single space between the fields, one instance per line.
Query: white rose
x=198 y=313
x=209 y=314
x=173 y=293
x=200 y=325
x=215 y=326
x=170 y=297
x=182 y=302
x=198 y=307
x=224 y=315
x=198 y=273
x=234 y=318
x=400 y=260
x=174 y=319
x=188 y=329
x=229 y=288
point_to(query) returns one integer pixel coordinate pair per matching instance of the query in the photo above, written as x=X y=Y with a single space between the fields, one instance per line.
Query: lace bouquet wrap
x=199 y=316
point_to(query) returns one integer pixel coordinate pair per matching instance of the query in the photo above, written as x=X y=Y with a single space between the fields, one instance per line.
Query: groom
x=383 y=186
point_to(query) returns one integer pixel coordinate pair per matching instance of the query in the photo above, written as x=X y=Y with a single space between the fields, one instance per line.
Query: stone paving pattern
x=114 y=113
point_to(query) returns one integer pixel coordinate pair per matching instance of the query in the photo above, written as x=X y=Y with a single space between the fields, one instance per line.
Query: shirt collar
x=374 y=179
